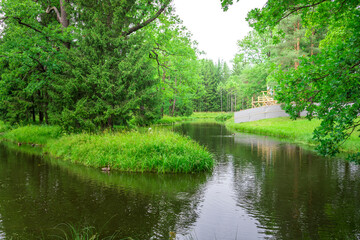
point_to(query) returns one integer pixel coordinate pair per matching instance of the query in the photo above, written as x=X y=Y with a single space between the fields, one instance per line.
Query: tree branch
x=49 y=9
x=27 y=25
x=295 y=9
x=143 y=24
x=356 y=64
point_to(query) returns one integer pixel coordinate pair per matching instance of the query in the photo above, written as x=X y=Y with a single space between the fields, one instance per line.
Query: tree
x=326 y=84
x=175 y=56
x=80 y=64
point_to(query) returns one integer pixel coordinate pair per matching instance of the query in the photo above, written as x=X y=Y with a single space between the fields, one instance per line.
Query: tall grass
x=69 y=232
x=158 y=151
x=33 y=134
x=299 y=131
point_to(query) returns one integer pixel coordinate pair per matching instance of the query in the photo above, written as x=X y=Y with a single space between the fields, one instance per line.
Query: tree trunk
x=33 y=110
x=312 y=42
x=41 y=117
x=170 y=101
x=235 y=104
x=173 y=107
x=110 y=122
x=221 y=101
x=297 y=44
x=174 y=101
x=45 y=106
x=61 y=17
x=227 y=102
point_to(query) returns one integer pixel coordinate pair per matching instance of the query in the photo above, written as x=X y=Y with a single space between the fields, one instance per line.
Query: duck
x=106 y=169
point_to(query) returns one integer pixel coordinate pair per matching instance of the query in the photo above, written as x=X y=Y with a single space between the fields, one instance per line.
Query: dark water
x=259 y=189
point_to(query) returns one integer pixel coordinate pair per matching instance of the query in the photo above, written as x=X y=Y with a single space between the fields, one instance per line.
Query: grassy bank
x=152 y=151
x=197 y=116
x=159 y=151
x=33 y=134
x=298 y=131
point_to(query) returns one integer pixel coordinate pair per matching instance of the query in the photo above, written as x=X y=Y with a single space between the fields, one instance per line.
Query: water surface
x=260 y=188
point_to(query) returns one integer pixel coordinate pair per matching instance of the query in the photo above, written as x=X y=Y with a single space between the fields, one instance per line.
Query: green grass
x=150 y=151
x=4 y=127
x=298 y=131
x=69 y=232
x=158 y=151
x=169 y=120
x=33 y=134
x=203 y=115
x=197 y=116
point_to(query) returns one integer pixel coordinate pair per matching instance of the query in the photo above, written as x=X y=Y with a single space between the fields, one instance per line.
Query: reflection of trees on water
x=292 y=193
x=36 y=196
x=295 y=194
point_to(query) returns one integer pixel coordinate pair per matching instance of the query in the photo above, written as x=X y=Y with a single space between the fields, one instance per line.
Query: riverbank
x=299 y=131
x=196 y=116
x=153 y=151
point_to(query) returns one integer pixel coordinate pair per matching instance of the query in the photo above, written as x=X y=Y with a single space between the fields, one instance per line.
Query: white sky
x=216 y=31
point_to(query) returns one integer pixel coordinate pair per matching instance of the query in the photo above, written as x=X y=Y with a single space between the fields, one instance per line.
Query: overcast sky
x=216 y=31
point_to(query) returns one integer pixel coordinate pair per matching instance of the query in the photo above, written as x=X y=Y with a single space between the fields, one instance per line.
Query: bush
x=4 y=127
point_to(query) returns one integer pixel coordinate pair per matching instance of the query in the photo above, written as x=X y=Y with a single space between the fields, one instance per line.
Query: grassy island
x=153 y=151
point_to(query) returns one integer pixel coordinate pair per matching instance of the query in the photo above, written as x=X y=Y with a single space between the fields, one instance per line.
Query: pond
x=260 y=188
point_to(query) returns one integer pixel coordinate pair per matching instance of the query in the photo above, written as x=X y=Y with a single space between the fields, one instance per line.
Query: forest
x=91 y=65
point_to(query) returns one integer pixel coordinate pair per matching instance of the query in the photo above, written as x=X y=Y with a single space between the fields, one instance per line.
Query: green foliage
x=4 y=127
x=169 y=120
x=91 y=66
x=156 y=151
x=325 y=87
x=224 y=117
x=325 y=77
x=354 y=158
x=70 y=232
x=33 y=134
x=211 y=93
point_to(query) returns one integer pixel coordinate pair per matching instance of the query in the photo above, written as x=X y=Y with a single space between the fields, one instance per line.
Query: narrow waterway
x=260 y=188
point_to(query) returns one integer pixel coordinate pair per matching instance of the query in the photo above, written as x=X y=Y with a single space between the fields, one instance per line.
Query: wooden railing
x=265 y=99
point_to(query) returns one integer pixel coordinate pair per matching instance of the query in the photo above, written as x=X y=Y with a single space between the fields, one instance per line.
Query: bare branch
x=49 y=9
x=356 y=64
x=295 y=9
x=27 y=25
x=143 y=24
